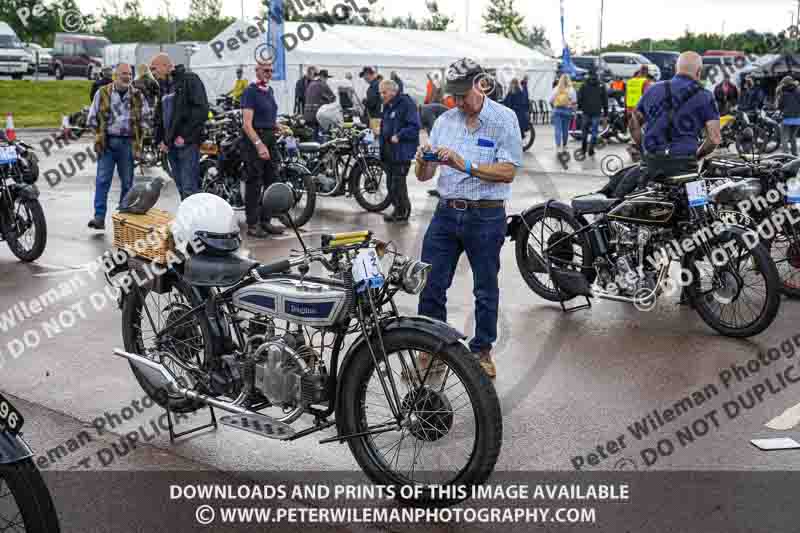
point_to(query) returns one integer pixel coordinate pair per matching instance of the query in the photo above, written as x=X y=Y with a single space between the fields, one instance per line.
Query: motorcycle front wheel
x=451 y=428
x=735 y=288
x=369 y=183
x=305 y=193
x=25 y=502
x=27 y=236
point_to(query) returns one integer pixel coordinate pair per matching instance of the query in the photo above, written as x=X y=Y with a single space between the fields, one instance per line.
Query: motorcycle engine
x=628 y=272
x=288 y=373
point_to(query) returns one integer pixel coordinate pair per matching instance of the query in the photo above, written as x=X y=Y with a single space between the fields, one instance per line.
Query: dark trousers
x=398 y=188
x=259 y=174
x=790 y=138
x=480 y=232
x=590 y=123
x=184 y=161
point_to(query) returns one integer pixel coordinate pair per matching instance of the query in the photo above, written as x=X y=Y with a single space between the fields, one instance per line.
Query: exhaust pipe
x=175 y=387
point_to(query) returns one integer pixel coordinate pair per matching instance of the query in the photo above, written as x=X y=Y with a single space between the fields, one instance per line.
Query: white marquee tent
x=344 y=48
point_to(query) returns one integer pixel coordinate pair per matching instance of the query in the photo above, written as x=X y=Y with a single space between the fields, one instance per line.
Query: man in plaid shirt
x=479 y=147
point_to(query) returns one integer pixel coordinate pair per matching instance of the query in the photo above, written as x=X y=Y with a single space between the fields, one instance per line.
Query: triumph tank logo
x=315 y=310
x=301 y=309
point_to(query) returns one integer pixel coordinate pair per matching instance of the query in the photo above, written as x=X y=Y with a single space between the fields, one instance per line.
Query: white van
x=13 y=57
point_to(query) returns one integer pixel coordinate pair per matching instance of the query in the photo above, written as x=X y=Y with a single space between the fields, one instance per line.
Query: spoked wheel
x=25 y=502
x=554 y=232
x=528 y=138
x=144 y=313
x=369 y=184
x=214 y=183
x=736 y=290
x=785 y=252
x=450 y=428
x=27 y=237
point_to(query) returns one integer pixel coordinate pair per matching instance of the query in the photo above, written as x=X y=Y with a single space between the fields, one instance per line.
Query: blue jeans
x=118 y=154
x=481 y=233
x=562 y=117
x=592 y=122
x=185 y=163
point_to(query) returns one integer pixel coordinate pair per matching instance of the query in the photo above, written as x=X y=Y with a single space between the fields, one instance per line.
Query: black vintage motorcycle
x=264 y=344
x=625 y=255
x=25 y=502
x=22 y=222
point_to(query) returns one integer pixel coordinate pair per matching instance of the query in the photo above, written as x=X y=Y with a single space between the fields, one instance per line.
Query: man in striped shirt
x=479 y=147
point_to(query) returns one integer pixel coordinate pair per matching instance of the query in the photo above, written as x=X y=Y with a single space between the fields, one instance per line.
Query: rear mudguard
x=515 y=221
x=441 y=330
x=13 y=448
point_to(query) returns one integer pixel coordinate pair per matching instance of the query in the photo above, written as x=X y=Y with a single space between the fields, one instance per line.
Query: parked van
x=77 y=55
x=13 y=57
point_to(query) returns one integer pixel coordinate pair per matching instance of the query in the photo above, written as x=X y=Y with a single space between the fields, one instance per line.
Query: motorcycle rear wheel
x=27 y=214
x=436 y=416
x=26 y=491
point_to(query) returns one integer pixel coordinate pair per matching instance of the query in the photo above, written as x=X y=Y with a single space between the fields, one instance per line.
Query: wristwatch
x=257 y=142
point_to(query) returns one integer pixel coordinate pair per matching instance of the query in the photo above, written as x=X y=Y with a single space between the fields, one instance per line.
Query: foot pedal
x=261 y=425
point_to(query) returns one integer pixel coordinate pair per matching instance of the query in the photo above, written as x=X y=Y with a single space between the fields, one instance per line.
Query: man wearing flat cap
x=479 y=147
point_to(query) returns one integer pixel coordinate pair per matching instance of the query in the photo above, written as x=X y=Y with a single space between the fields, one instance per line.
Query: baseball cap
x=462 y=75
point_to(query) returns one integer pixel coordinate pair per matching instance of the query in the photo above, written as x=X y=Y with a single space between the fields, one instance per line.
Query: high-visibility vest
x=634 y=91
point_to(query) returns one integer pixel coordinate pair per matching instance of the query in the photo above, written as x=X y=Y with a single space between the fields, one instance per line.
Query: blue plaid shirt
x=497 y=140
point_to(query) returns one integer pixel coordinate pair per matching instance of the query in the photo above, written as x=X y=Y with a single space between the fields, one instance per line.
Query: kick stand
x=173 y=435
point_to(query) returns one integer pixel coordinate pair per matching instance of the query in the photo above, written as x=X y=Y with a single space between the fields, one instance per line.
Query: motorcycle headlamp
x=414 y=276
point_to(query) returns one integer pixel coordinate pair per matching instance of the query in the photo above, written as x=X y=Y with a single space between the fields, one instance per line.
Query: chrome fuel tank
x=311 y=303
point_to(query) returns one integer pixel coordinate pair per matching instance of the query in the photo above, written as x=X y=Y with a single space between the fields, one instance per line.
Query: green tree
x=503 y=18
x=437 y=21
x=537 y=38
x=205 y=21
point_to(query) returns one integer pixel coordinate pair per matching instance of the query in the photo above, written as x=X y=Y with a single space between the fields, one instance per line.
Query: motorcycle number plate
x=8 y=155
x=291 y=144
x=369 y=138
x=10 y=418
x=793 y=191
x=696 y=191
x=367 y=269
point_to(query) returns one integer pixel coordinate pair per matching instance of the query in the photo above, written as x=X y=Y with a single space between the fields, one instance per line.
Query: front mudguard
x=13 y=448
x=444 y=332
x=516 y=221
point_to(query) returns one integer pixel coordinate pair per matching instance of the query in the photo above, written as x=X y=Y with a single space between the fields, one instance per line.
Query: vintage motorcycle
x=25 y=502
x=22 y=222
x=625 y=254
x=264 y=344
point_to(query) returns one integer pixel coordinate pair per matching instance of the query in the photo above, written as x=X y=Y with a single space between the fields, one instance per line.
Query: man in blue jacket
x=399 y=142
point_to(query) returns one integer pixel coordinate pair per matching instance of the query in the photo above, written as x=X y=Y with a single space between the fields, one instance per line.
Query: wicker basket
x=147 y=236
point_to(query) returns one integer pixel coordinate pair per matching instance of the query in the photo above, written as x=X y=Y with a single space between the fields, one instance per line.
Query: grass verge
x=42 y=104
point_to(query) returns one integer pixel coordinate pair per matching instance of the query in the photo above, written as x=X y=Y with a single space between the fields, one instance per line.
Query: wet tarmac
x=568 y=383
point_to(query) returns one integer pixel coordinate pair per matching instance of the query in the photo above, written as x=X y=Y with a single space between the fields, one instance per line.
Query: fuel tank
x=650 y=208
x=311 y=303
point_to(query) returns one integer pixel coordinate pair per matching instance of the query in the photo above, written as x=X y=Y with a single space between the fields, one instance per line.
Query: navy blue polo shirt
x=690 y=115
x=263 y=104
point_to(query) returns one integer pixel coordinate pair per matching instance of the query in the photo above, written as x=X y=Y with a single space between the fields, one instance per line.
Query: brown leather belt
x=463 y=205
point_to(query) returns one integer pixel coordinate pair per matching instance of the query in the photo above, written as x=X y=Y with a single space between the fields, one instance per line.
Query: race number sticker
x=367 y=270
x=696 y=191
x=793 y=191
x=291 y=144
x=10 y=417
x=369 y=138
x=8 y=155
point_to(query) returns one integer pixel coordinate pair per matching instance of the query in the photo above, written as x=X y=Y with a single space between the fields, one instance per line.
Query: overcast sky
x=624 y=19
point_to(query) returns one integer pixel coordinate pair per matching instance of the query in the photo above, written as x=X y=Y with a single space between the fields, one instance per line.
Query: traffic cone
x=11 y=135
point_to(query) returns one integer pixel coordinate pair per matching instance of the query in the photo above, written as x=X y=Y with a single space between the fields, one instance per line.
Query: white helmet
x=209 y=219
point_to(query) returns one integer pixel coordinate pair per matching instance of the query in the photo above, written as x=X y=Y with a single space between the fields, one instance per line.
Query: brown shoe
x=487 y=364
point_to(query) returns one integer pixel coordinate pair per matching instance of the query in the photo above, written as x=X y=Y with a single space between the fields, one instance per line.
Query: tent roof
x=347 y=45
x=778 y=66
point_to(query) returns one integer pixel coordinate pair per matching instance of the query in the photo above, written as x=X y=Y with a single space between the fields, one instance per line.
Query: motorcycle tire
x=26 y=486
x=529 y=260
x=305 y=191
x=35 y=216
x=785 y=252
x=759 y=256
x=529 y=139
x=358 y=185
x=353 y=409
x=132 y=319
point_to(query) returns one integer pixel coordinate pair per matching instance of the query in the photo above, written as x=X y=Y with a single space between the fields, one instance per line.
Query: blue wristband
x=468 y=165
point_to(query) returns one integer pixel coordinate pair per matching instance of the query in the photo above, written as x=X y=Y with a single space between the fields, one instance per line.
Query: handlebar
x=274 y=268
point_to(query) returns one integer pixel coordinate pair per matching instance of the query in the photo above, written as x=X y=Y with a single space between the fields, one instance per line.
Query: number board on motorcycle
x=8 y=155
x=367 y=270
x=696 y=192
x=10 y=418
x=793 y=191
x=291 y=144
